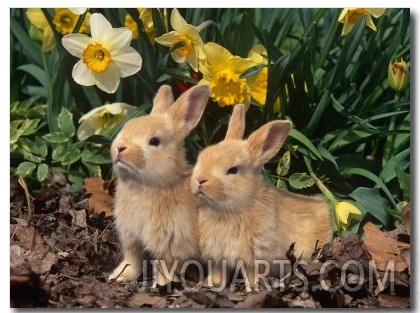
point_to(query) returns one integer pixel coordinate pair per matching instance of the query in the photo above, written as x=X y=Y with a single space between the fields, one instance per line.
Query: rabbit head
x=226 y=174
x=150 y=149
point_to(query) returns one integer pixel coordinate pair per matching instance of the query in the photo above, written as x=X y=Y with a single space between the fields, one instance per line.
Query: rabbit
x=242 y=217
x=155 y=210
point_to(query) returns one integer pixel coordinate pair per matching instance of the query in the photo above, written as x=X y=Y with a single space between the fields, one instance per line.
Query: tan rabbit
x=155 y=210
x=242 y=217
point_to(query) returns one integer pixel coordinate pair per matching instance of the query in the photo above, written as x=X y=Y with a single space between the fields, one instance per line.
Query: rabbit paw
x=124 y=272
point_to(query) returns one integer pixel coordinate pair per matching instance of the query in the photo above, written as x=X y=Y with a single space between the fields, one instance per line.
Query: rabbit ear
x=236 y=126
x=188 y=108
x=266 y=141
x=163 y=100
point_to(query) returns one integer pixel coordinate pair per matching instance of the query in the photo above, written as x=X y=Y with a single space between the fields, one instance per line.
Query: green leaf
x=56 y=137
x=65 y=122
x=31 y=47
x=281 y=184
x=372 y=202
x=69 y=156
x=404 y=181
x=284 y=164
x=402 y=159
x=295 y=134
x=300 y=180
x=253 y=70
x=37 y=72
x=42 y=172
x=369 y=175
x=25 y=168
x=95 y=157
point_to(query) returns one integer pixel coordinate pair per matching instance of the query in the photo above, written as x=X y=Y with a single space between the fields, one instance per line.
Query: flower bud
x=344 y=212
x=398 y=75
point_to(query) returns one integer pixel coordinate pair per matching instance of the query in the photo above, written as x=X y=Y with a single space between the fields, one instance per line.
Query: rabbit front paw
x=125 y=272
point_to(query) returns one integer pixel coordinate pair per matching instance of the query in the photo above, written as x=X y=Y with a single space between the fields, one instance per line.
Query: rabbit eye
x=154 y=141
x=232 y=170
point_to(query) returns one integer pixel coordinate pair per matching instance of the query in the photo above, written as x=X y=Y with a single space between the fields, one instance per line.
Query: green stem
x=325 y=191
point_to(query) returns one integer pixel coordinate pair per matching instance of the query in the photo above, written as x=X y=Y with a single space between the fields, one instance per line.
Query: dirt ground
x=62 y=250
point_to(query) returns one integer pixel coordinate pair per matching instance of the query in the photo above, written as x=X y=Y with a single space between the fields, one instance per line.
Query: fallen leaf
x=99 y=200
x=384 y=248
x=144 y=299
x=405 y=214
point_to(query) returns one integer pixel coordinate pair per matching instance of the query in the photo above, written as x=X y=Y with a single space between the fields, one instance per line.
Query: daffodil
x=105 y=57
x=37 y=18
x=184 y=40
x=145 y=15
x=344 y=212
x=222 y=71
x=131 y=24
x=258 y=83
x=103 y=120
x=350 y=16
x=65 y=20
x=398 y=75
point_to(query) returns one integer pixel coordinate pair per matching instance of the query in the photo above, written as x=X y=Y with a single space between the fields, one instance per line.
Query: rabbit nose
x=201 y=181
x=121 y=149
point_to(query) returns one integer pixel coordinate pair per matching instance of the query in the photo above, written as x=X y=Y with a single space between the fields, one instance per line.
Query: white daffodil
x=105 y=57
x=103 y=120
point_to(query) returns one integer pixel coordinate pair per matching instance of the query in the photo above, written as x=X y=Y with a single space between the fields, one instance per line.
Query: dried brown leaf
x=100 y=200
x=384 y=248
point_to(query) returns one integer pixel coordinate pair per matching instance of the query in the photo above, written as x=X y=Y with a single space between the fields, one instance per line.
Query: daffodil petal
x=369 y=23
x=48 y=40
x=129 y=62
x=343 y=15
x=178 y=58
x=204 y=25
x=78 y=11
x=192 y=59
x=109 y=80
x=167 y=39
x=85 y=130
x=347 y=27
x=100 y=27
x=37 y=18
x=119 y=40
x=76 y=43
x=82 y=75
x=177 y=21
x=376 y=12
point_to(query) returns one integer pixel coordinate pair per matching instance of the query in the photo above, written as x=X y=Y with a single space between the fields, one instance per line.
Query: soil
x=62 y=251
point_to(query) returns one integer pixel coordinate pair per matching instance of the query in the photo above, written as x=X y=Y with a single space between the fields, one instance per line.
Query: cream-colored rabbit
x=155 y=210
x=242 y=217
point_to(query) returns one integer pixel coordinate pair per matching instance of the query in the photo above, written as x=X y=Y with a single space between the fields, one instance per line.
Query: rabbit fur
x=155 y=210
x=244 y=217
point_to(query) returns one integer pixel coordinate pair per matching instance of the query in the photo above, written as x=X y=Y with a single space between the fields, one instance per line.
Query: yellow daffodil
x=398 y=75
x=103 y=120
x=147 y=21
x=350 y=16
x=37 y=18
x=105 y=57
x=222 y=71
x=344 y=212
x=187 y=39
x=64 y=20
x=258 y=83
x=145 y=16
x=131 y=24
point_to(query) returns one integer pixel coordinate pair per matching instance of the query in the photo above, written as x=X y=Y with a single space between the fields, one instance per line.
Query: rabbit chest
x=163 y=221
x=233 y=237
